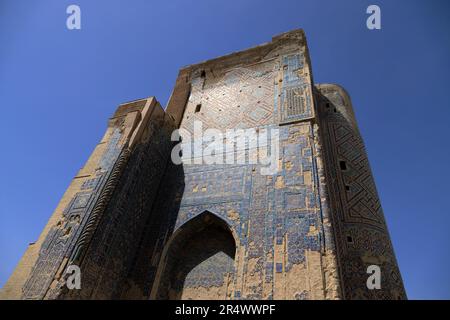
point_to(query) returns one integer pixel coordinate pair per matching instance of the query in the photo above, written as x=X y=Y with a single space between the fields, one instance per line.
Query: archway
x=198 y=262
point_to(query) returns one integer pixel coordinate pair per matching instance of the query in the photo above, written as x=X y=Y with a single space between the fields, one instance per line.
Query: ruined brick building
x=142 y=227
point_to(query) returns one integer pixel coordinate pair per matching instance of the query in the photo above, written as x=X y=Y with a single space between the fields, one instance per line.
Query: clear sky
x=58 y=88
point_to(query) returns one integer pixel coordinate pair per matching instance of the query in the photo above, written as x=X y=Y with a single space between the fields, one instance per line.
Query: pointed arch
x=198 y=261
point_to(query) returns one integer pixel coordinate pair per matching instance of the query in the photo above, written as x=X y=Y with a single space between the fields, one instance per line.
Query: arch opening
x=199 y=261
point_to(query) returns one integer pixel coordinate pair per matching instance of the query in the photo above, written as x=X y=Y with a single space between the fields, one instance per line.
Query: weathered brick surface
x=140 y=226
x=357 y=217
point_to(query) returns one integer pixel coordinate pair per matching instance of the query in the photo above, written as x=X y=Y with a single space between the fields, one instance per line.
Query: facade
x=140 y=226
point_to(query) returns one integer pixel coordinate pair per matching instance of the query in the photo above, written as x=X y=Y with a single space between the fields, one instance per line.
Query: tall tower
x=140 y=225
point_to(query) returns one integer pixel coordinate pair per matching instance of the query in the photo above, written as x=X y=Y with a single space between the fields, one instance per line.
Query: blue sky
x=58 y=88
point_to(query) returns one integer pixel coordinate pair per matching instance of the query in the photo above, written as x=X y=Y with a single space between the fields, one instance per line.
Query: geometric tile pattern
x=61 y=239
x=240 y=98
x=260 y=212
x=295 y=98
x=358 y=220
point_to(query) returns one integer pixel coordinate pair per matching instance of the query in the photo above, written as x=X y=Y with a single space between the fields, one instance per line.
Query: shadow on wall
x=199 y=260
x=195 y=261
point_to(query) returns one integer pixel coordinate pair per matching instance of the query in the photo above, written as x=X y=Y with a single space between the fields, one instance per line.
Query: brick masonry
x=142 y=227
